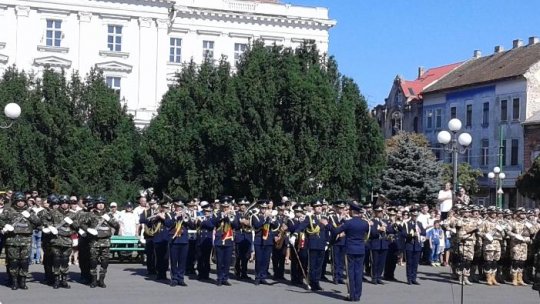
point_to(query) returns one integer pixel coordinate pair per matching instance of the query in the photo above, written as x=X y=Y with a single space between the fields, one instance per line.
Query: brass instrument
x=281 y=236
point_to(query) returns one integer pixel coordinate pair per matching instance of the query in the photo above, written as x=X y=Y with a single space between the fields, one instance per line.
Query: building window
x=175 y=54
x=503 y=153
x=469 y=116
x=114 y=38
x=453 y=112
x=438 y=118
x=515 y=109
x=485 y=115
x=514 y=152
x=504 y=110
x=484 y=161
x=54 y=32
x=429 y=122
x=208 y=49
x=114 y=83
x=239 y=49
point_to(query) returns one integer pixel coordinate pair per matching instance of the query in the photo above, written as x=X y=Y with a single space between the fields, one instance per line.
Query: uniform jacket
x=356 y=231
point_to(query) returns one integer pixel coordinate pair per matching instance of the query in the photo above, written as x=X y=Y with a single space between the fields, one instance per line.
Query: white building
x=141 y=44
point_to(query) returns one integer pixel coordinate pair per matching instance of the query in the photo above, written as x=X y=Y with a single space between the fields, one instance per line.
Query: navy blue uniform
x=392 y=255
x=379 y=248
x=243 y=239
x=412 y=230
x=161 y=246
x=149 y=242
x=205 y=230
x=317 y=241
x=355 y=230
x=224 y=244
x=178 y=246
x=299 y=260
x=279 y=250
x=338 y=251
x=263 y=244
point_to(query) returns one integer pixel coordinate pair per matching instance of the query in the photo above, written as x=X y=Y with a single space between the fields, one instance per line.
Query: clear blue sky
x=375 y=40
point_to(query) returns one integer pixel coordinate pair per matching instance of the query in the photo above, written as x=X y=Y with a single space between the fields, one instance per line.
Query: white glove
x=527 y=239
x=46 y=230
x=519 y=237
x=499 y=227
x=92 y=231
x=26 y=214
x=81 y=232
x=489 y=237
x=106 y=217
x=53 y=230
x=143 y=241
x=68 y=220
x=8 y=228
x=528 y=225
x=292 y=240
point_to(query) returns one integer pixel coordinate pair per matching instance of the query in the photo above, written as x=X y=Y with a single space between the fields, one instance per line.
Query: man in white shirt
x=128 y=221
x=445 y=200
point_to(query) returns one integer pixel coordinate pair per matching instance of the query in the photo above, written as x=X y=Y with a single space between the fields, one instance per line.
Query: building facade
x=140 y=45
x=492 y=96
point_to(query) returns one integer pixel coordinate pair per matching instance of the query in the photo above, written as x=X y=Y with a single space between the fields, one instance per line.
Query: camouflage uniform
x=505 y=263
x=99 y=244
x=61 y=244
x=467 y=240
x=520 y=234
x=492 y=234
x=18 y=241
x=46 y=247
x=536 y=246
x=534 y=227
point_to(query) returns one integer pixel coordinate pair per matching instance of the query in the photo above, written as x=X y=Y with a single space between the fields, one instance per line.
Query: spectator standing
x=435 y=237
x=445 y=200
x=128 y=221
x=35 y=256
x=462 y=197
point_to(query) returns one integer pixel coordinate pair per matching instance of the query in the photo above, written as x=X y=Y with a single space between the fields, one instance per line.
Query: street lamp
x=12 y=112
x=454 y=144
x=498 y=176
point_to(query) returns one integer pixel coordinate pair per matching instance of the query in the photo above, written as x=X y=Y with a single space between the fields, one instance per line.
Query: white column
x=84 y=49
x=21 y=44
x=162 y=51
x=146 y=70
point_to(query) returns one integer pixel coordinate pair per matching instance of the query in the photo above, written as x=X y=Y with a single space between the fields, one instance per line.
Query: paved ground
x=127 y=284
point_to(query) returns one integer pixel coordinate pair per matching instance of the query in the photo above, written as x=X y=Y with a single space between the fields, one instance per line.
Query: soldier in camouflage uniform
x=505 y=263
x=61 y=225
x=466 y=234
x=99 y=224
x=520 y=235
x=18 y=225
x=84 y=249
x=529 y=263
x=52 y=201
x=536 y=246
x=478 y=259
x=492 y=234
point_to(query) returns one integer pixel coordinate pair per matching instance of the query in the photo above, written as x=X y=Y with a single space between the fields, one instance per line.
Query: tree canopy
x=528 y=183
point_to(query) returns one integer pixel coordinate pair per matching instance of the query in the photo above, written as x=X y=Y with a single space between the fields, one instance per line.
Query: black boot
x=101 y=282
x=64 y=283
x=93 y=283
x=56 y=283
x=14 y=285
x=22 y=282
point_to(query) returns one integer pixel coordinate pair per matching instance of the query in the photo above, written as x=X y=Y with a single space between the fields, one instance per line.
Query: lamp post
x=455 y=144
x=12 y=112
x=498 y=176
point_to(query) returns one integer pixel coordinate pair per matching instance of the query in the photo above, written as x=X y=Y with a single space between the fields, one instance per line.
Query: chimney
x=498 y=49
x=517 y=43
x=477 y=54
x=533 y=40
x=421 y=72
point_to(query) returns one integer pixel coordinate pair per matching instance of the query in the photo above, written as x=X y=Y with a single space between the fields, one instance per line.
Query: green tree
x=528 y=183
x=467 y=177
x=412 y=173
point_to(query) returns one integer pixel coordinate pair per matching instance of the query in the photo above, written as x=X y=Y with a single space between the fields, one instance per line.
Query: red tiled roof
x=413 y=89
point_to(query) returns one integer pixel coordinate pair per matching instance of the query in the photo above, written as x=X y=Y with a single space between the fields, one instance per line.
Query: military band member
x=18 y=224
x=205 y=229
x=145 y=219
x=243 y=239
x=393 y=246
x=299 y=255
x=356 y=232
x=192 y=210
x=263 y=223
x=378 y=240
x=414 y=233
x=161 y=240
x=279 y=252
x=317 y=242
x=61 y=224
x=225 y=222
x=178 y=223
x=338 y=242
x=98 y=225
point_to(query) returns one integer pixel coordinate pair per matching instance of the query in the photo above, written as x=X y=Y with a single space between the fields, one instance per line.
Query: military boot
x=101 y=282
x=515 y=279
x=56 y=283
x=93 y=283
x=14 y=285
x=520 y=279
x=22 y=282
x=489 y=279
x=64 y=283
